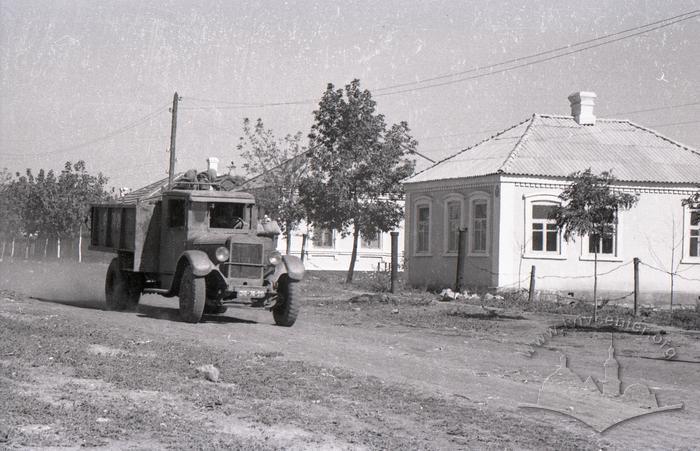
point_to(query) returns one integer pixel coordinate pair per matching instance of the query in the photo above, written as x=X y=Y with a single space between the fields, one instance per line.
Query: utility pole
x=173 y=130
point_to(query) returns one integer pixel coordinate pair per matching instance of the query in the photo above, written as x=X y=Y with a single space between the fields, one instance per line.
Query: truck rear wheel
x=286 y=311
x=193 y=295
x=122 y=290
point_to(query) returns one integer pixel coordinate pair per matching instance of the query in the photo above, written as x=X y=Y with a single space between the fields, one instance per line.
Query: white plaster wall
x=647 y=231
x=338 y=258
x=437 y=269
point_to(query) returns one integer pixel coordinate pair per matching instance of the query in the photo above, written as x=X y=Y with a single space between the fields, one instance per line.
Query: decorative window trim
x=528 y=202
x=422 y=201
x=687 y=259
x=453 y=197
x=486 y=197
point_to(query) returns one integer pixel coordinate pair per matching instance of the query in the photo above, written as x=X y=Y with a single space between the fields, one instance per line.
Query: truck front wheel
x=286 y=311
x=193 y=295
x=122 y=290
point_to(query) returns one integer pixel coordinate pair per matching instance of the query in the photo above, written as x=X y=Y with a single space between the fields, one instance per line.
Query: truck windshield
x=224 y=215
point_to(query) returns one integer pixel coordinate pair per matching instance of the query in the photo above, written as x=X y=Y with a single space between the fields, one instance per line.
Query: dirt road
x=374 y=376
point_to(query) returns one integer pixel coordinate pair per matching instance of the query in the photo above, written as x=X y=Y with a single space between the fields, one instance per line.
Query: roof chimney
x=213 y=163
x=582 y=104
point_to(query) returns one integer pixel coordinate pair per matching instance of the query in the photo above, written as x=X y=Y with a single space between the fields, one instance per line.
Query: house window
x=323 y=238
x=545 y=234
x=605 y=245
x=453 y=210
x=480 y=225
x=422 y=229
x=694 y=233
x=375 y=243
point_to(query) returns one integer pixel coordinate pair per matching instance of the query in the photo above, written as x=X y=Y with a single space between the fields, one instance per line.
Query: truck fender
x=292 y=266
x=200 y=263
x=198 y=260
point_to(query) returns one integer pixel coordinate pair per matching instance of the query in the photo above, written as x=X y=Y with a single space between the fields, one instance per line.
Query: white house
x=328 y=250
x=503 y=188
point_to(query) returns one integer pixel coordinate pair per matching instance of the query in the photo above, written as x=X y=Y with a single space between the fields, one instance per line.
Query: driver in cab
x=225 y=216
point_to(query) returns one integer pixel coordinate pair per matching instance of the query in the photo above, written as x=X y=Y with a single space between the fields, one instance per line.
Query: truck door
x=173 y=237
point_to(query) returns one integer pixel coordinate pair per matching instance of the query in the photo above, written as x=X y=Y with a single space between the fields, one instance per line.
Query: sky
x=94 y=79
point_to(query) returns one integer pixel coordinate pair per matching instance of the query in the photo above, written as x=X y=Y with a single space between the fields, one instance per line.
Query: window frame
x=616 y=256
x=485 y=198
x=419 y=203
x=687 y=230
x=451 y=199
x=529 y=202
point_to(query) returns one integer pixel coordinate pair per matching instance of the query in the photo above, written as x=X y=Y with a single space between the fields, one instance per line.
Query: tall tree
x=280 y=165
x=355 y=167
x=10 y=210
x=49 y=206
x=589 y=208
x=77 y=189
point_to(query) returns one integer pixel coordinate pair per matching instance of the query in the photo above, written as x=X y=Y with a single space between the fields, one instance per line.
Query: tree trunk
x=2 y=255
x=595 y=285
x=80 y=243
x=353 y=257
x=12 y=250
x=46 y=248
x=58 y=248
x=288 y=236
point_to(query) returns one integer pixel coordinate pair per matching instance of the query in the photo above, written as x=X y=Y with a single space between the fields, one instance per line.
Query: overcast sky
x=80 y=79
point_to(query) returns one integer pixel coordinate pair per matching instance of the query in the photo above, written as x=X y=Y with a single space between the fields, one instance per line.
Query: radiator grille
x=246 y=261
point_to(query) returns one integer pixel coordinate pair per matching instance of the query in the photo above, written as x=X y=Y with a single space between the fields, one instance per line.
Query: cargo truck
x=200 y=241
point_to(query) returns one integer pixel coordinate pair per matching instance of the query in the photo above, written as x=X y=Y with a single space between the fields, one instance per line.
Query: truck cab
x=208 y=247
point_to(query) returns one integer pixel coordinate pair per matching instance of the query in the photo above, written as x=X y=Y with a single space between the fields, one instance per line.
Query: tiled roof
x=556 y=146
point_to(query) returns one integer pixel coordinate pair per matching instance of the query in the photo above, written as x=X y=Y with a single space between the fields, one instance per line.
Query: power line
x=535 y=55
x=532 y=63
x=669 y=107
x=243 y=106
x=111 y=134
x=674 y=123
x=638 y=30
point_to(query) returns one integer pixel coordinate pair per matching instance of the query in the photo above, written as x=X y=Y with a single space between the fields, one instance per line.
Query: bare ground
x=403 y=374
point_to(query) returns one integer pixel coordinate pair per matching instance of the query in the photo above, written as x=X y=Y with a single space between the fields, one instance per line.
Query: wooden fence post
x=461 y=238
x=531 y=293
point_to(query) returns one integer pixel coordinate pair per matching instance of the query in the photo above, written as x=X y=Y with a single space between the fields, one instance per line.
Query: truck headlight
x=222 y=254
x=275 y=258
